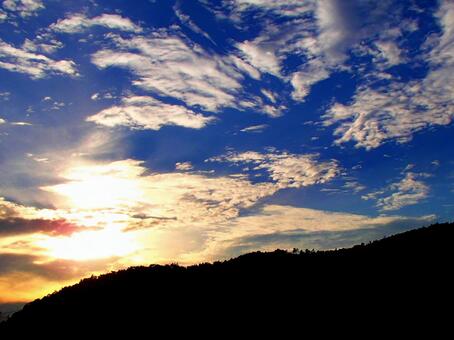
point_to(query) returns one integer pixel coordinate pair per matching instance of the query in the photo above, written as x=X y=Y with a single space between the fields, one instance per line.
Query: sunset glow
x=90 y=245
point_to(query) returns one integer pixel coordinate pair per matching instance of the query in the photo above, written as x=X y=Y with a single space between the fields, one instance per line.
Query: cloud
x=321 y=33
x=392 y=112
x=409 y=191
x=220 y=83
x=24 y=8
x=141 y=112
x=53 y=270
x=397 y=110
x=184 y=166
x=77 y=23
x=287 y=170
x=343 y=23
x=354 y=186
x=186 y=20
x=286 y=227
x=16 y=219
x=43 y=44
x=3 y=16
x=262 y=57
x=124 y=188
x=21 y=123
x=255 y=128
x=390 y=51
x=35 y=65
x=17 y=225
x=308 y=75
x=186 y=217
x=127 y=195
x=102 y=96
x=283 y=8
x=168 y=65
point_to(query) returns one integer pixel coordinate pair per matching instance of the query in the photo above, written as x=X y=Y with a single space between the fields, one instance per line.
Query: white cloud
x=323 y=41
x=184 y=166
x=42 y=44
x=308 y=75
x=390 y=51
x=77 y=23
x=270 y=95
x=35 y=65
x=134 y=197
x=186 y=20
x=255 y=128
x=104 y=95
x=354 y=186
x=126 y=189
x=186 y=217
x=3 y=16
x=24 y=8
x=339 y=28
x=285 y=227
x=287 y=170
x=261 y=56
x=21 y=123
x=409 y=191
x=284 y=7
x=141 y=112
x=5 y=95
x=397 y=110
x=2 y=121
x=393 y=112
x=169 y=65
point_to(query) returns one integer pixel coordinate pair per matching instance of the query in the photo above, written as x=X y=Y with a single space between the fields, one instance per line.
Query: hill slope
x=385 y=271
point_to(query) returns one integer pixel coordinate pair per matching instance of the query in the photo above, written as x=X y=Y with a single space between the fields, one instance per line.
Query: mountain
x=400 y=273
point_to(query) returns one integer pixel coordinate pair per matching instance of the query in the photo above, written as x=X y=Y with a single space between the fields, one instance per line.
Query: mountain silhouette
x=398 y=274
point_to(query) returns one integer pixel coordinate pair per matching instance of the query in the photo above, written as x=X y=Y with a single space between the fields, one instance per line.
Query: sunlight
x=91 y=245
x=113 y=185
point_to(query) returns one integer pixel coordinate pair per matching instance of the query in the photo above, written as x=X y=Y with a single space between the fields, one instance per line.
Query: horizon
x=196 y=131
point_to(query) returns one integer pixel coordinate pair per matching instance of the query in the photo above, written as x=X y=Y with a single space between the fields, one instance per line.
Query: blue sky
x=157 y=131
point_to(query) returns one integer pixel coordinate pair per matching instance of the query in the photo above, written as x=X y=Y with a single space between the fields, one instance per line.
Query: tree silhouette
x=398 y=273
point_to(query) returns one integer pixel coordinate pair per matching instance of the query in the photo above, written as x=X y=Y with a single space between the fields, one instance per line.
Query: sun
x=105 y=186
x=91 y=245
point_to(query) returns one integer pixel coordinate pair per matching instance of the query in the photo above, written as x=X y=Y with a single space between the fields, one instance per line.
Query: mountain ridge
x=389 y=269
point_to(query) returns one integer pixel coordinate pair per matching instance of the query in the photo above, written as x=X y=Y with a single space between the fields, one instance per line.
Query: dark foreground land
x=406 y=273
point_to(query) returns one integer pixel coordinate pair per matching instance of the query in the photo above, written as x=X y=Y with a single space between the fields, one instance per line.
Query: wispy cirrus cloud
x=255 y=128
x=168 y=64
x=280 y=226
x=397 y=110
x=286 y=169
x=408 y=191
x=3 y=16
x=282 y=8
x=321 y=33
x=25 y=8
x=35 y=65
x=142 y=112
x=78 y=23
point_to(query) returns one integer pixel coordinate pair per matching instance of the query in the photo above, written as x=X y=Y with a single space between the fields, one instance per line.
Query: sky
x=138 y=132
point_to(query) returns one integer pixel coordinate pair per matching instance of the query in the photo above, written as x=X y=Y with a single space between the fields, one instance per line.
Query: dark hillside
x=409 y=269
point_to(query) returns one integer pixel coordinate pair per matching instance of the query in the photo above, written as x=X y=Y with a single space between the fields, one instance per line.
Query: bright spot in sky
x=91 y=245
x=100 y=186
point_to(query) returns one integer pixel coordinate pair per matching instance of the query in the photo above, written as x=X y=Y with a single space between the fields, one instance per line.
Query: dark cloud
x=18 y=225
